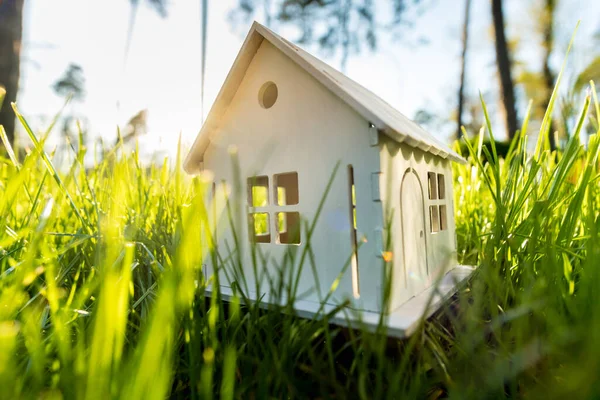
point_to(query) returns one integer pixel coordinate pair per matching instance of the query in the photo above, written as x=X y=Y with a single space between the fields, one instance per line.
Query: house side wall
x=308 y=130
x=396 y=160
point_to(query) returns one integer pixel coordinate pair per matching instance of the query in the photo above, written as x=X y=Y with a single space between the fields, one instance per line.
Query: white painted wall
x=308 y=130
x=396 y=159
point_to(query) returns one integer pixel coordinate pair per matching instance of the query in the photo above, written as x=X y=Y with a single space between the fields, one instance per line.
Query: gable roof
x=370 y=106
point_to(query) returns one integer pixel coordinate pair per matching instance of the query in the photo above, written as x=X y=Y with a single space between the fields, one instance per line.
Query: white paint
x=314 y=125
x=401 y=322
x=266 y=146
x=396 y=160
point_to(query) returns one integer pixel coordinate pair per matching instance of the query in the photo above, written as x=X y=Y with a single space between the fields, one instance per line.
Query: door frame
x=411 y=170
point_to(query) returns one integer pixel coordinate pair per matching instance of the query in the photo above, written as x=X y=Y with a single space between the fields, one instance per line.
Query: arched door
x=413 y=232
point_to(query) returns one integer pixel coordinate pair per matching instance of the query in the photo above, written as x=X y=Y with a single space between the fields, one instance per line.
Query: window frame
x=272 y=208
x=437 y=202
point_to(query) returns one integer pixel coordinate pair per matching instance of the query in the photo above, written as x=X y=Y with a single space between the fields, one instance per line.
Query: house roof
x=370 y=106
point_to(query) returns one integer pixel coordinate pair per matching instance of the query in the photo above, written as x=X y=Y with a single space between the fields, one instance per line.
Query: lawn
x=102 y=292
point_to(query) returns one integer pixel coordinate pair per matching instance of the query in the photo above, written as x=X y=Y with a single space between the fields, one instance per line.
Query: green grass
x=102 y=293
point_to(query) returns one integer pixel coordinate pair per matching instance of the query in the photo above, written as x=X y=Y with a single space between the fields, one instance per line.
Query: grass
x=102 y=292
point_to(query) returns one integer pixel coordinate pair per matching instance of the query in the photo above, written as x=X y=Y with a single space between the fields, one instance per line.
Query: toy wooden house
x=387 y=217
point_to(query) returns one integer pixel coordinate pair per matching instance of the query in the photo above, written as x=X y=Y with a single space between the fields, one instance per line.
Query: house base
x=401 y=323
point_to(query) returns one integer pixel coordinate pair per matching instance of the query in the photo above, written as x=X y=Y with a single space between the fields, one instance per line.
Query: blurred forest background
x=153 y=67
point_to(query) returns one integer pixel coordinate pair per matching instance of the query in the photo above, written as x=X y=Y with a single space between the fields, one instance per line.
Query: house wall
x=308 y=130
x=396 y=159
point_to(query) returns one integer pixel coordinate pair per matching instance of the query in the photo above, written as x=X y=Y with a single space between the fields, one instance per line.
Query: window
x=441 y=187
x=259 y=223
x=353 y=234
x=267 y=95
x=288 y=228
x=286 y=188
x=434 y=217
x=432 y=183
x=287 y=222
x=258 y=191
x=437 y=202
x=443 y=222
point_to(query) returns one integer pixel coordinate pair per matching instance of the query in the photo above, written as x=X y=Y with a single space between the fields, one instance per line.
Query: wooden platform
x=401 y=322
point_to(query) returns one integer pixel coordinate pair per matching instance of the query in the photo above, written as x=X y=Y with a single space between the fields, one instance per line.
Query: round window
x=267 y=96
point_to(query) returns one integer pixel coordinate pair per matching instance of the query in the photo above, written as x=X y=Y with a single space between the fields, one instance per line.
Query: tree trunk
x=504 y=69
x=11 y=23
x=463 y=60
x=548 y=44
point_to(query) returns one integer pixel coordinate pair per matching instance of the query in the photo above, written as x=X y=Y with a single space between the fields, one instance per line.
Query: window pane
x=441 y=186
x=288 y=228
x=353 y=242
x=434 y=218
x=286 y=188
x=281 y=195
x=281 y=223
x=258 y=191
x=432 y=184
x=259 y=228
x=443 y=222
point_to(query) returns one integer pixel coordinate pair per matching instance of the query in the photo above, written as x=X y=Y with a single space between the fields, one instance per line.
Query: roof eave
x=403 y=138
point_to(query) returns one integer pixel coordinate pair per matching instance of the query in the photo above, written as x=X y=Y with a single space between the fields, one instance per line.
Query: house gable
x=307 y=126
x=308 y=131
x=385 y=118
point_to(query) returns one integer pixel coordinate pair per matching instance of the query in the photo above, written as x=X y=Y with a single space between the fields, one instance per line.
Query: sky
x=416 y=69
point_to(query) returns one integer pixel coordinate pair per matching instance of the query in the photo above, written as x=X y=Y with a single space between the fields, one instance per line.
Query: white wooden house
x=291 y=119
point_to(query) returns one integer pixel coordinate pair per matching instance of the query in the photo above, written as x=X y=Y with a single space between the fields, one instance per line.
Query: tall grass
x=102 y=293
